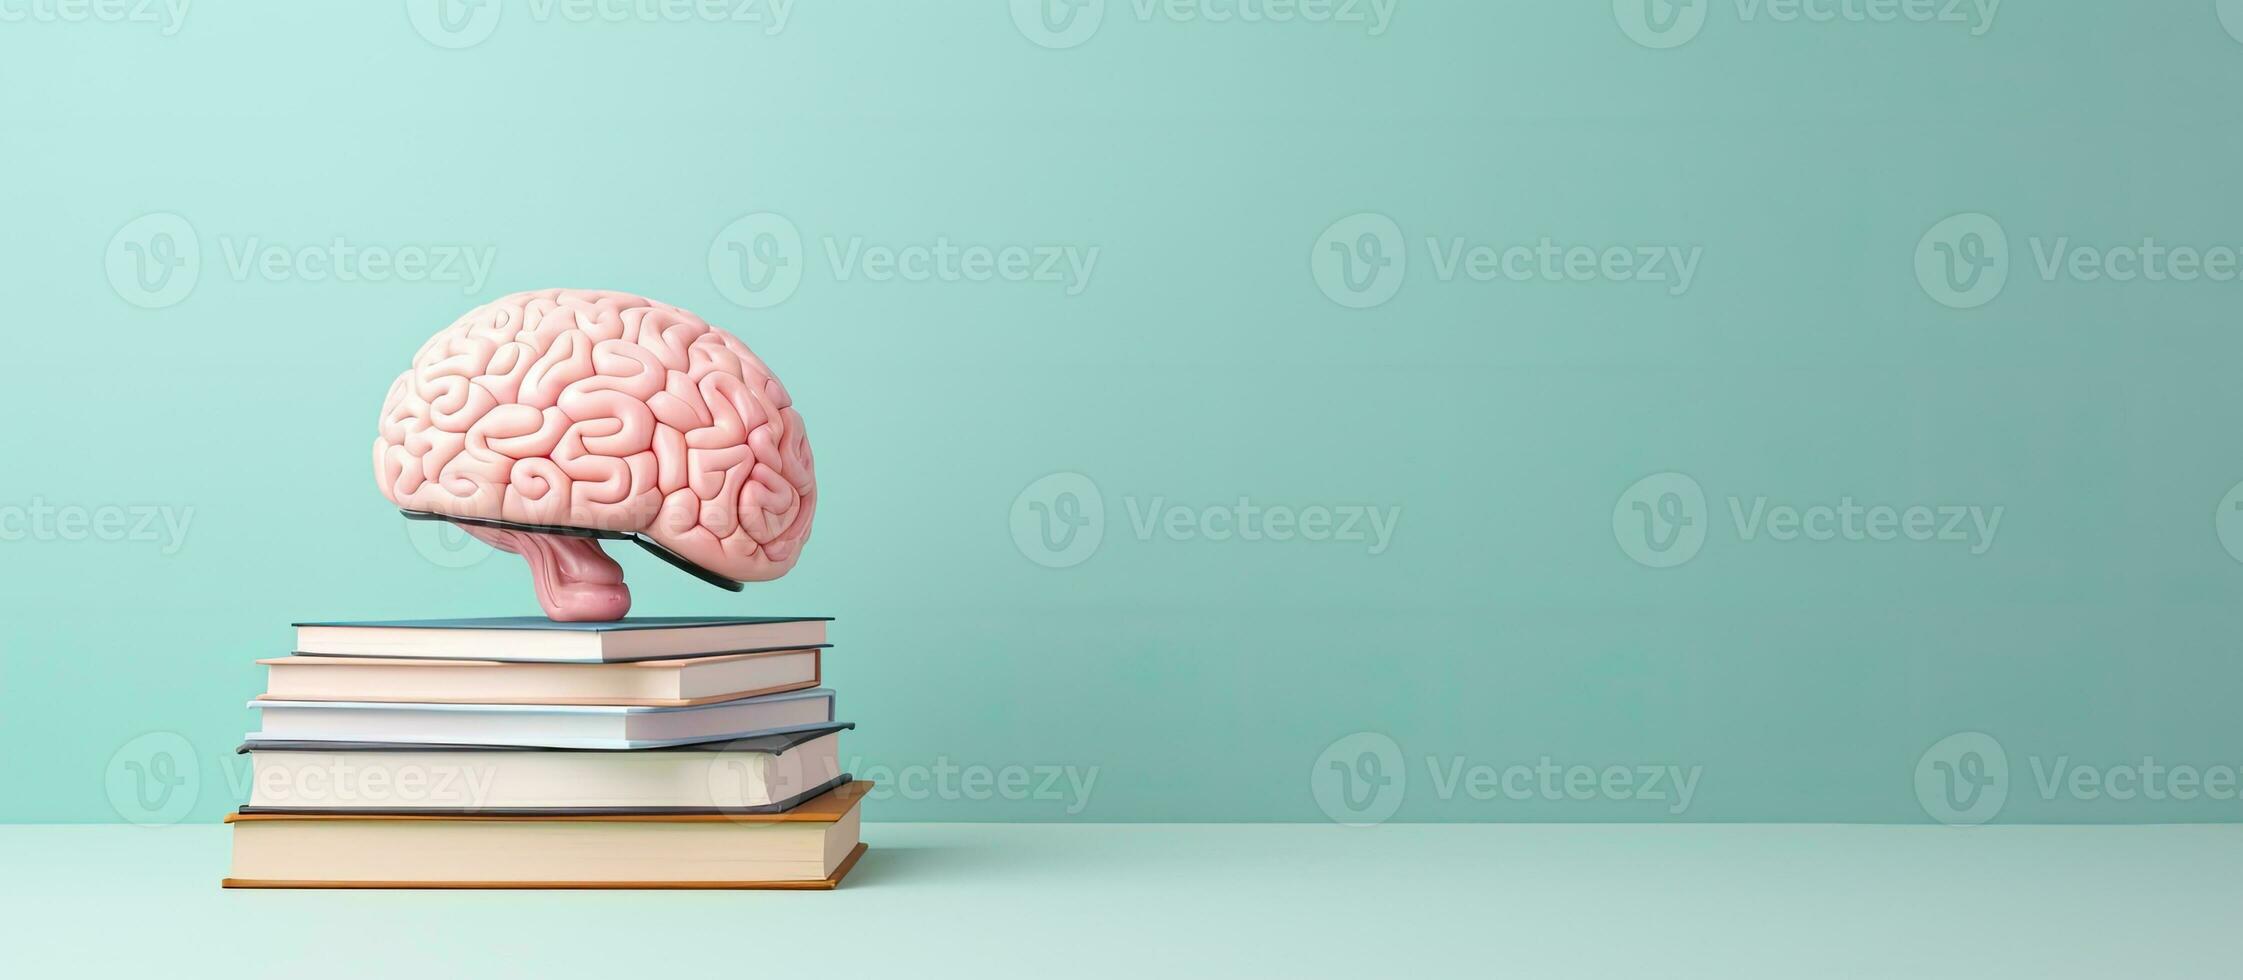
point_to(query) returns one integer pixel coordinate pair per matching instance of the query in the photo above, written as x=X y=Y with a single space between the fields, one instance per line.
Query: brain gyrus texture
x=602 y=411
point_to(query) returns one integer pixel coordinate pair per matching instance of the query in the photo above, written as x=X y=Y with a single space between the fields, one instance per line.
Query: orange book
x=812 y=846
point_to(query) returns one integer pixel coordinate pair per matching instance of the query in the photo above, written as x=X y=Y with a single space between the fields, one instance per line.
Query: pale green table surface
x=1200 y=900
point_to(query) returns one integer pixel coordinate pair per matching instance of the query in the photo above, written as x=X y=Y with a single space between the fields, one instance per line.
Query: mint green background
x=1202 y=679
x=1722 y=903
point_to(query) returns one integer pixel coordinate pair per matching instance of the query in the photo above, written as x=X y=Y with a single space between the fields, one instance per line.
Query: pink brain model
x=544 y=420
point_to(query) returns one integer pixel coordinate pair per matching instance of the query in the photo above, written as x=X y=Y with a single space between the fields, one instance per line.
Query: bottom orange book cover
x=810 y=847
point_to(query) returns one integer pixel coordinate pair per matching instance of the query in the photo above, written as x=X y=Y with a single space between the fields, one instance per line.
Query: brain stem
x=576 y=581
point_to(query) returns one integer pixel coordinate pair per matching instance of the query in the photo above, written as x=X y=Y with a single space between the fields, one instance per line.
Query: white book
x=769 y=773
x=585 y=726
x=535 y=638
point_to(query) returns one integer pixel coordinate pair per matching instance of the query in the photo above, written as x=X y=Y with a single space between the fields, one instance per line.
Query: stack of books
x=525 y=753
